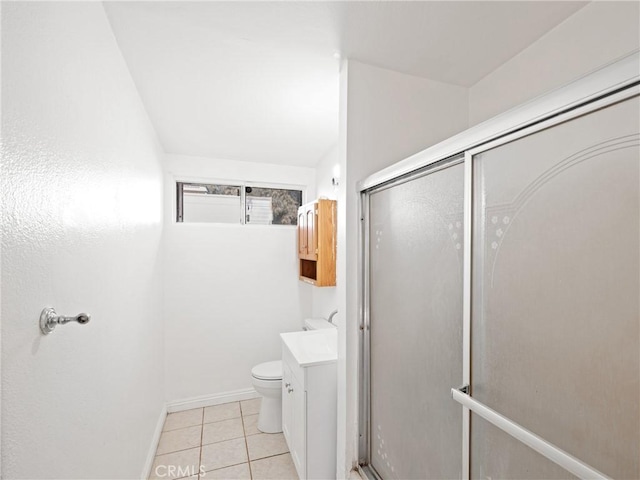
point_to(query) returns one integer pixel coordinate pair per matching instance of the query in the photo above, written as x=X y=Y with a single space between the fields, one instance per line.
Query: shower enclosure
x=500 y=290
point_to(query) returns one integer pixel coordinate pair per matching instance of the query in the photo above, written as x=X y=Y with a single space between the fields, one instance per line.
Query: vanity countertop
x=313 y=347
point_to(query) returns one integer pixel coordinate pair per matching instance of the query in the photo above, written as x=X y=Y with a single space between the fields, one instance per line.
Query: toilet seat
x=270 y=371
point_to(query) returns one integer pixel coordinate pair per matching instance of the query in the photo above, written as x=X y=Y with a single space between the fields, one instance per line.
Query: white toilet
x=267 y=380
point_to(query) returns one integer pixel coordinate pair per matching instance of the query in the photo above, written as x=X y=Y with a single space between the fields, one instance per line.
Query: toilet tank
x=317 y=324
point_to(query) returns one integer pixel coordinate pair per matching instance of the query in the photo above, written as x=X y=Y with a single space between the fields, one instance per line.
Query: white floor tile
x=266 y=445
x=280 y=467
x=223 y=454
x=237 y=472
x=180 y=439
x=251 y=425
x=176 y=465
x=224 y=430
x=187 y=418
x=250 y=407
x=225 y=411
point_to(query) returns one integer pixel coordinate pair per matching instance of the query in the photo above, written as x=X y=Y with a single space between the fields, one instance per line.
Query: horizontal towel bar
x=548 y=450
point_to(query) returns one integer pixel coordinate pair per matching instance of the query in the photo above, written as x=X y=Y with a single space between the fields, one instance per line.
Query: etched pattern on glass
x=416 y=326
x=555 y=325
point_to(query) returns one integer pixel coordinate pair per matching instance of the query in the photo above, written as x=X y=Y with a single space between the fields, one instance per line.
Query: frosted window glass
x=416 y=326
x=555 y=310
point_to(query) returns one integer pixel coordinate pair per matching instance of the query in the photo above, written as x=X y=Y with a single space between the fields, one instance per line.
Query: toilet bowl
x=267 y=381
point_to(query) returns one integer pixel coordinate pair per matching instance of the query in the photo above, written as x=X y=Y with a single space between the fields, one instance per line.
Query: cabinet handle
x=290 y=390
x=287 y=385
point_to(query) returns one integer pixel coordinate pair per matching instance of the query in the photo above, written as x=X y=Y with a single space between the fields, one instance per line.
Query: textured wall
x=81 y=188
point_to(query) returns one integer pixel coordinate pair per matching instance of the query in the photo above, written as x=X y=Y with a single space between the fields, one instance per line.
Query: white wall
x=326 y=169
x=385 y=117
x=229 y=290
x=592 y=37
x=325 y=299
x=82 y=192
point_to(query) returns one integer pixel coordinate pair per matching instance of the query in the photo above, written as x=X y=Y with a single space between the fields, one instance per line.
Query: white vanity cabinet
x=309 y=404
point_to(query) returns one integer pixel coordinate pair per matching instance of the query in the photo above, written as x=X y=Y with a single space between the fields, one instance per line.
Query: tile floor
x=224 y=442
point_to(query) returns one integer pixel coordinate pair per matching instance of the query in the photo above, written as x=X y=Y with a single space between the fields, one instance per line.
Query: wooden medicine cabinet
x=317 y=243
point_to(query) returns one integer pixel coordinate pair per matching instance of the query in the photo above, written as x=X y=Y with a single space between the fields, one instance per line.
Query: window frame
x=178 y=205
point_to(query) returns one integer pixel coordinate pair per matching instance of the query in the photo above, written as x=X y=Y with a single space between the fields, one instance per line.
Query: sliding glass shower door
x=555 y=329
x=416 y=325
x=515 y=271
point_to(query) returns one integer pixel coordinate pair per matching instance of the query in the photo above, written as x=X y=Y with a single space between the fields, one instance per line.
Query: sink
x=318 y=344
x=313 y=347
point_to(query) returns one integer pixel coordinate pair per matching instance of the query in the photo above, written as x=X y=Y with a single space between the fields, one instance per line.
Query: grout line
x=219 y=441
x=180 y=449
x=176 y=451
x=226 y=466
x=181 y=428
x=244 y=431
x=223 y=419
x=218 y=421
x=270 y=456
x=186 y=426
x=202 y=444
x=246 y=445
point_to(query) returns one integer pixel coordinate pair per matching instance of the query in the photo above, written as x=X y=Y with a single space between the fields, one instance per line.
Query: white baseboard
x=154 y=444
x=209 y=400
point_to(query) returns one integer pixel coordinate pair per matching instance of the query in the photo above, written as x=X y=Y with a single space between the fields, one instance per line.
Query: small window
x=215 y=203
x=201 y=202
x=272 y=206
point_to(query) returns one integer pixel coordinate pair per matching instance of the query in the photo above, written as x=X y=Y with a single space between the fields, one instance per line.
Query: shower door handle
x=546 y=449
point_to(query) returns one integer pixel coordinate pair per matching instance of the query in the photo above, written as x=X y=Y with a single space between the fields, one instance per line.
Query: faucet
x=333 y=314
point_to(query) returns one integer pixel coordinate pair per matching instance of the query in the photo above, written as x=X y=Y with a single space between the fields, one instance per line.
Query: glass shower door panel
x=555 y=298
x=416 y=326
x=502 y=453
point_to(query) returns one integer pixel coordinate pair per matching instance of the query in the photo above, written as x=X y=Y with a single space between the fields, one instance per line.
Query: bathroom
x=106 y=105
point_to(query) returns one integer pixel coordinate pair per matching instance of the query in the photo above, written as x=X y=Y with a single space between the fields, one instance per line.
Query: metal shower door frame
x=614 y=83
x=364 y=300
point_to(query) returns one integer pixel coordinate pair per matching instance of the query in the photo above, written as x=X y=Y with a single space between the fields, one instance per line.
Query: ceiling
x=258 y=81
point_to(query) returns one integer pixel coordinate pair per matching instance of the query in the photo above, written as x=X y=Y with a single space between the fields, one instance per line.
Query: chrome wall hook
x=49 y=319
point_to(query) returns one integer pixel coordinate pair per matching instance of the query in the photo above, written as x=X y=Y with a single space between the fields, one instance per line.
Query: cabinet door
x=302 y=233
x=312 y=231
x=299 y=427
x=287 y=407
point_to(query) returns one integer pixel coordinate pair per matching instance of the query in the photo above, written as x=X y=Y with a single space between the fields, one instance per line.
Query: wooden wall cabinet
x=317 y=243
